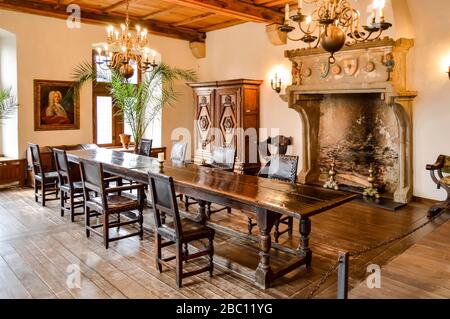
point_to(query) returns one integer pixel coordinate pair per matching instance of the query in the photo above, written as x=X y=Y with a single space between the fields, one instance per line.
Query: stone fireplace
x=356 y=112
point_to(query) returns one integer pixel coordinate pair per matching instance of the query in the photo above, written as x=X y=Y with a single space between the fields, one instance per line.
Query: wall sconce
x=275 y=83
x=448 y=72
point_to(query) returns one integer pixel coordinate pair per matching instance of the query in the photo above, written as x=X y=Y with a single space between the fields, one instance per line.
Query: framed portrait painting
x=55 y=106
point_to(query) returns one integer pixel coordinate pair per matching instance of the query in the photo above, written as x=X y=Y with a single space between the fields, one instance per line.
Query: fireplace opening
x=355 y=131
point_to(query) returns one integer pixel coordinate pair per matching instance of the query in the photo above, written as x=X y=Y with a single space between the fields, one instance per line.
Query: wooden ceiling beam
x=235 y=9
x=154 y=27
x=160 y=12
x=193 y=19
x=114 y=6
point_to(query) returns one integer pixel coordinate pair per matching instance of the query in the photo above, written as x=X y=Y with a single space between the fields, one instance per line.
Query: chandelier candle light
x=335 y=23
x=125 y=47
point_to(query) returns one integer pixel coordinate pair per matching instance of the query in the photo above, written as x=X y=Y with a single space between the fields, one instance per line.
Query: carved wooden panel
x=226 y=115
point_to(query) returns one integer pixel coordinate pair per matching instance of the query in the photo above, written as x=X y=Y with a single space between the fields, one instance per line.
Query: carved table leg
x=265 y=220
x=303 y=248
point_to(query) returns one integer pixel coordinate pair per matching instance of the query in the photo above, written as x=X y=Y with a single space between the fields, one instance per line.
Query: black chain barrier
x=358 y=253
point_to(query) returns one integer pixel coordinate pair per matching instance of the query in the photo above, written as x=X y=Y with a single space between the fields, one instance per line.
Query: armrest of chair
x=440 y=162
x=117 y=189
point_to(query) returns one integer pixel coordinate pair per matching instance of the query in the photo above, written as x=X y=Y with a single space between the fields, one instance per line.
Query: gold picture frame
x=55 y=106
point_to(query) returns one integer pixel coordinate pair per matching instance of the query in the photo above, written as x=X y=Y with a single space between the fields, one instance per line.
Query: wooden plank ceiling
x=183 y=19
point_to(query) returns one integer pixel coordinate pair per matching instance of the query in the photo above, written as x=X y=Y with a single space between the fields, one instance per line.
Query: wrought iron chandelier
x=124 y=48
x=335 y=23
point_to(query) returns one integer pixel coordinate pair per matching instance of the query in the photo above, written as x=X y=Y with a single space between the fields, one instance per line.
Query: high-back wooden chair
x=178 y=153
x=145 y=147
x=45 y=181
x=71 y=188
x=178 y=232
x=107 y=202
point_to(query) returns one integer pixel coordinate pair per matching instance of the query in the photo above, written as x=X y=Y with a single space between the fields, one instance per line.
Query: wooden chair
x=223 y=158
x=280 y=143
x=45 y=180
x=108 y=202
x=178 y=153
x=437 y=171
x=70 y=187
x=178 y=156
x=145 y=147
x=178 y=232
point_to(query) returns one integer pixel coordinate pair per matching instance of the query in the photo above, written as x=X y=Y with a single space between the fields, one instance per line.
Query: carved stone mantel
x=375 y=67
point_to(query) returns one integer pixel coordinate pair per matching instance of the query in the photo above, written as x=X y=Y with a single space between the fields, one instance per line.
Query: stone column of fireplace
x=377 y=67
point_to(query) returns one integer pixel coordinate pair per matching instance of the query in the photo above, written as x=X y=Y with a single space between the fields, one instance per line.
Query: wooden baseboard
x=425 y=201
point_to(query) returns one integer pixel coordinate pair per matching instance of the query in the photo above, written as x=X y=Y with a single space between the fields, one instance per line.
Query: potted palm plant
x=138 y=104
x=8 y=104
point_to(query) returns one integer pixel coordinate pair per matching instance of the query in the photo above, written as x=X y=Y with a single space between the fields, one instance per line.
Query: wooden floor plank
x=37 y=246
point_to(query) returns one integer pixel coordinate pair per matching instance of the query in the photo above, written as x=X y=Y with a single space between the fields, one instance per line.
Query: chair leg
x=290 y=226
x=211 y=256
x=62 y=203
x=72 y=208
x=276 y=232
x=179 y=268
x=87 y=219
x=158 y=253
x=229 y=210
x=43 y=193
x=141 y=225
x=106 y=230
x=118 y=221
x=185 y=250
x=36 y=191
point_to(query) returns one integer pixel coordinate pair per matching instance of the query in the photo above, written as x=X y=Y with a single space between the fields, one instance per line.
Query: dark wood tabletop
x=285 y=198
x=268 y=199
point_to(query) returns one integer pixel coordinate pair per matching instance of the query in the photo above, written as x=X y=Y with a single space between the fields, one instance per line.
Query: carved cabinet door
x=227 y=116
x=204 y=123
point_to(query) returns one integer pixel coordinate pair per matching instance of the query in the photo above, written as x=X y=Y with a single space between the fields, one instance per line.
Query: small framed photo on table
x=55 y=106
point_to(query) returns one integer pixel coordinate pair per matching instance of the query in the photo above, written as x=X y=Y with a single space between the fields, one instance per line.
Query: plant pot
x=125 y=140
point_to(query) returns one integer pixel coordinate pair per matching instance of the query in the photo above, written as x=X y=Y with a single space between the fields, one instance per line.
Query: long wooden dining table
x=267 y=199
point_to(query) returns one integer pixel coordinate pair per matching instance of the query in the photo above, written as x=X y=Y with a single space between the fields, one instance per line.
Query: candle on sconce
x=300 y=5
x=381 y=5
x=375 y=6
x=286 y=13
x=160 y=157
x=308 y=23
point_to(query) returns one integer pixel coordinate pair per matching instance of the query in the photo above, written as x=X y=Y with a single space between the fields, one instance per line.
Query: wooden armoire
x=227 y=114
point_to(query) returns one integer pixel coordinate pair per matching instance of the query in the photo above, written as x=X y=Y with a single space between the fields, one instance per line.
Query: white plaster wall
x=47 y=49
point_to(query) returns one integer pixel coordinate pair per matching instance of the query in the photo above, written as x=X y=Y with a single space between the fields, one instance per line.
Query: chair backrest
x=178 y=153
x=145 y=147
x=446 y=168
x=281 y=167
x=36 y=160
x=164 y=200
x=93 y=179
x=223 y=157
x=280 y=142
x=87 y=147
x=62 y=166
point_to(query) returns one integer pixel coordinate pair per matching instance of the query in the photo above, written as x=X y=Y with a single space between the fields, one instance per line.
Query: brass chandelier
x=335 y=23
x=124 y=48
